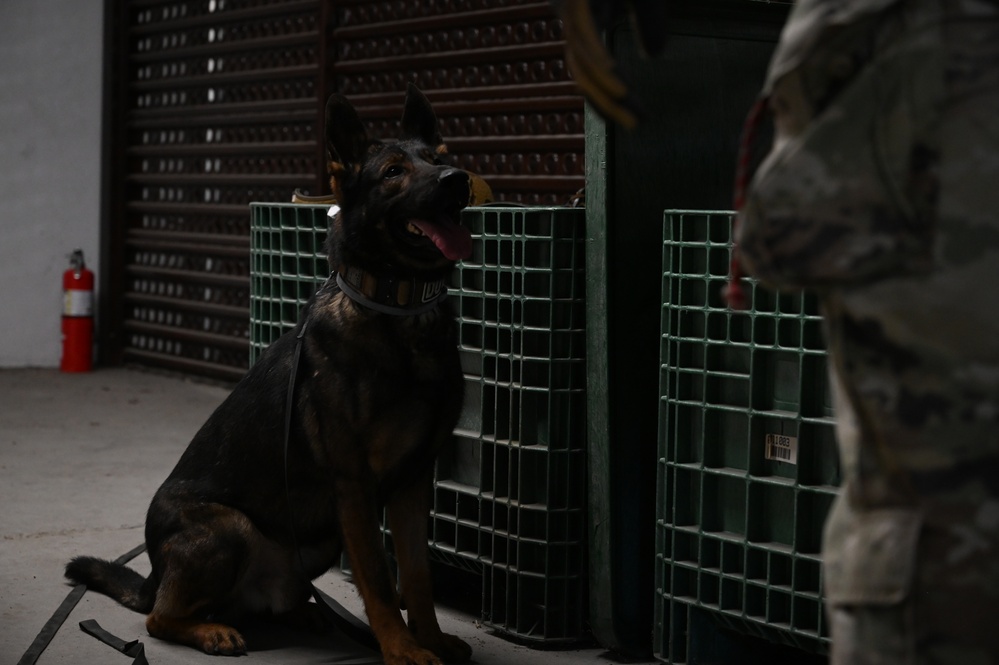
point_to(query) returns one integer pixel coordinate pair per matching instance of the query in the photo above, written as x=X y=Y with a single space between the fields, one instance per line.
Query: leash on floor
x=133 y=648
x=335 y=613
x=59 y=617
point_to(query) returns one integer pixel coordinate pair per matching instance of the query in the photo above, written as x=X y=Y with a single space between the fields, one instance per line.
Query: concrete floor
x=80 y=457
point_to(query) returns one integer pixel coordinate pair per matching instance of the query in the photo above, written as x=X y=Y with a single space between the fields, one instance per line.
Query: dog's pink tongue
x=454 y=240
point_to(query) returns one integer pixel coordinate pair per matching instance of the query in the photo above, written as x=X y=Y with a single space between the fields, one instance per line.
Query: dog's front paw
x=213 y=638
x=219 y=640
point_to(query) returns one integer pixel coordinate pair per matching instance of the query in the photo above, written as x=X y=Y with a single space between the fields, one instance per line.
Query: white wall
x=50 y=142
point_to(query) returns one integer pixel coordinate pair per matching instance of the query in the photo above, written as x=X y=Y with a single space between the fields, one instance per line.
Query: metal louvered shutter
x=495 y=72
x=217 y=105
x=213 y=104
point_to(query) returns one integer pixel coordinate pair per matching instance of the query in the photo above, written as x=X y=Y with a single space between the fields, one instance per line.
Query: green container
x=287 y=265
x=509 y=496
x=748 y=466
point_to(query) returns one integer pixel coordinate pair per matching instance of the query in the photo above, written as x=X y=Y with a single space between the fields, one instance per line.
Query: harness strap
x=342 y=618
x=334 y=612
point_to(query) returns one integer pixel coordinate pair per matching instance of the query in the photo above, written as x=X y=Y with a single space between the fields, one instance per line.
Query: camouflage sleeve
x=847 y=194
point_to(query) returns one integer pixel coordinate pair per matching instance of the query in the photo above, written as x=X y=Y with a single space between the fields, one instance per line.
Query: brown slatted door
x=495 y=72
x=218 y=106
x=216 y=103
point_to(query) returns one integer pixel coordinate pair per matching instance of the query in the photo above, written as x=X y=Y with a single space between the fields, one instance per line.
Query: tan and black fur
x=377 y=396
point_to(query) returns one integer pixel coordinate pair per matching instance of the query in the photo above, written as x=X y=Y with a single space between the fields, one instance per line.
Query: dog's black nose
x=455 y=181
x=452 y=177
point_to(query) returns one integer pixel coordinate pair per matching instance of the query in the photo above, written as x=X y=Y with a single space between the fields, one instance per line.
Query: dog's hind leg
x=179 y=614
x=407 y=514
x=200 y=568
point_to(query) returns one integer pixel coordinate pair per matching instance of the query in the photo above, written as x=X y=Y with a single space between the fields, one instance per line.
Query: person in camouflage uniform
x=881 y=194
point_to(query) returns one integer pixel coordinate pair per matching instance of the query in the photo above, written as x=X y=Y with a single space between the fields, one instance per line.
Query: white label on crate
x=782 y=448
x=333 y=211
x=77 y=303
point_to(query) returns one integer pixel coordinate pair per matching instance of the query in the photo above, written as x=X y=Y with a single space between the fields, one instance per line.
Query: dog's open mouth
x=451 y=238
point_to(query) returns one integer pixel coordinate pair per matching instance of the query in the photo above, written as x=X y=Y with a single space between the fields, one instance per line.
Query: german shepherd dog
x=242 y=524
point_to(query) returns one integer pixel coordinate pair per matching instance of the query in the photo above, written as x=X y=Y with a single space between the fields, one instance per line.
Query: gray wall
x=50 y=138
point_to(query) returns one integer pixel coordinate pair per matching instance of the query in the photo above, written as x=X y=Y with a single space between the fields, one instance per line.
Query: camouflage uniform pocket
x=870 y=555
x=870 y=563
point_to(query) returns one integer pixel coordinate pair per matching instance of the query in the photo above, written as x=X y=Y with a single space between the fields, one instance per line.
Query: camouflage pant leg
x=887 y=636
x=950 y=612
x=872 y=635
x=955 y=594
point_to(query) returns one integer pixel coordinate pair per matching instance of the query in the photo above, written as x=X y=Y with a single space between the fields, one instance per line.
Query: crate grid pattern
x=287 y=265
x=510 y=493
x=738 y=534
x=509 y=501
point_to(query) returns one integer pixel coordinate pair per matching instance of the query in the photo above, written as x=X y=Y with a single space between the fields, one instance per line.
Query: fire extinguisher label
x=78 y=303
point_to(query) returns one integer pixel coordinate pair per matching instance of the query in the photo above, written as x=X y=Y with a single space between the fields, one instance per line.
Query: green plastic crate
x=287 y=265
x=748 y=465
x=509 y=496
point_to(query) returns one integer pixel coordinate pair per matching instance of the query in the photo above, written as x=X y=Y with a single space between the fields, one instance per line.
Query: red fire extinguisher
x=77 y=316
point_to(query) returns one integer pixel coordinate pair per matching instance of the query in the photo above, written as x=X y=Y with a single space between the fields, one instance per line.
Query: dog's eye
x=393 y=172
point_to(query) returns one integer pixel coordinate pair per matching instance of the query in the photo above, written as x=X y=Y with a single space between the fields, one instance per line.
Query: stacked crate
x=748 y=466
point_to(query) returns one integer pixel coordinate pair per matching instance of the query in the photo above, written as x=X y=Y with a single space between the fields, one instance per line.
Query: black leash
x=334 y=612
x=52 y=626
x=133 y=648
x=58 y=618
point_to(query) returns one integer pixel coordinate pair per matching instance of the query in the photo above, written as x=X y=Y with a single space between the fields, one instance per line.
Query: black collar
x=391 y=294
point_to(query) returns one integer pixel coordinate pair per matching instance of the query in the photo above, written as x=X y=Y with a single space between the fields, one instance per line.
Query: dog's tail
x=115 y=580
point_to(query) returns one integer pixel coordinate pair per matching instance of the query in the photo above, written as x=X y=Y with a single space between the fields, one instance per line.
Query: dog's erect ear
x=419 y=120
x=346 y=138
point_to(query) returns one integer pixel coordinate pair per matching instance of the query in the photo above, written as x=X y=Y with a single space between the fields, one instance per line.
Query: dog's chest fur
x=394 y=385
